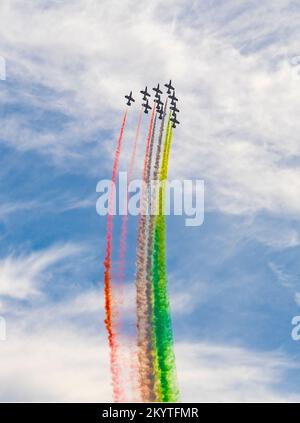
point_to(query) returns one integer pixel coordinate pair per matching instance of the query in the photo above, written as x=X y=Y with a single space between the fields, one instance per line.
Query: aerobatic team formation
x=159 y=104
x=151 y=365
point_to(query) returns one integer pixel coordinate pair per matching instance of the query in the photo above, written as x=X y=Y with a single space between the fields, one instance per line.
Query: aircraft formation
x=158 y=102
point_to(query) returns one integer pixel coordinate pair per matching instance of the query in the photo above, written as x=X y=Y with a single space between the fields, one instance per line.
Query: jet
x=157 y=91
x=174 y=108
x=147 y=107
x=173 y=98
x=174 y=121
x=129 y=98
x=158 y=102
x=145 y=93
x=169 y=86
x=159 y=108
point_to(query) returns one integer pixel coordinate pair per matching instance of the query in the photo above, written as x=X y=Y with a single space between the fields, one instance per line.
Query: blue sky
x=234 y=280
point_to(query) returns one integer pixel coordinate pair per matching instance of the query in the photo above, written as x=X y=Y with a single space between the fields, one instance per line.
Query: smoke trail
x=151 y=222
x=109 y=312
x=169 y=391
x=159 y=165
x=145 y=370
x=122 y=260
x=166 y=165
x=148 y=338
x=122 y=253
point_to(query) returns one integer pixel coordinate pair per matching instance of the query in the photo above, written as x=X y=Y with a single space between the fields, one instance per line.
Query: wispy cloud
x=185 y=300
x=238 y=90
x=49 y=357
x=56 y=353
x=218 y=373
x=22 y=276
x=6 y=209
x=235 y=132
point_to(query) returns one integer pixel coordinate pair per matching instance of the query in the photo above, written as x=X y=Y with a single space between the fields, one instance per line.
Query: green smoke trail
x=165 y=356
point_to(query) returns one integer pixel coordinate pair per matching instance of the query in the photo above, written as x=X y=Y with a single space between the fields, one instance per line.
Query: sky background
x=234 y=281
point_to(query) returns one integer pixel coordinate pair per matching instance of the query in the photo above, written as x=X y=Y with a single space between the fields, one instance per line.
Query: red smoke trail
x=122 y=253
x=118 y=393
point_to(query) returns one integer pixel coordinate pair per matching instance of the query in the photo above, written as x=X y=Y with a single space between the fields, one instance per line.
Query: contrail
x=147 y=369
x=148 y=341
x=122 y=252
x=145 y=364
x=122 y=257
x=109 y=312
x=159 y=165
x=169 y=391
x=151 y=222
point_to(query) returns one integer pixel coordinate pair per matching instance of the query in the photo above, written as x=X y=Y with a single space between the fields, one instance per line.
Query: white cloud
x=220 y=373
x=7 y=209
x=287 y=279
x=270 y=230
x=239 y=131
x=55 y=360
x=239 y=128
x=22 y=276
x=54 y=364
x=184 y=301
x=58 y=351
